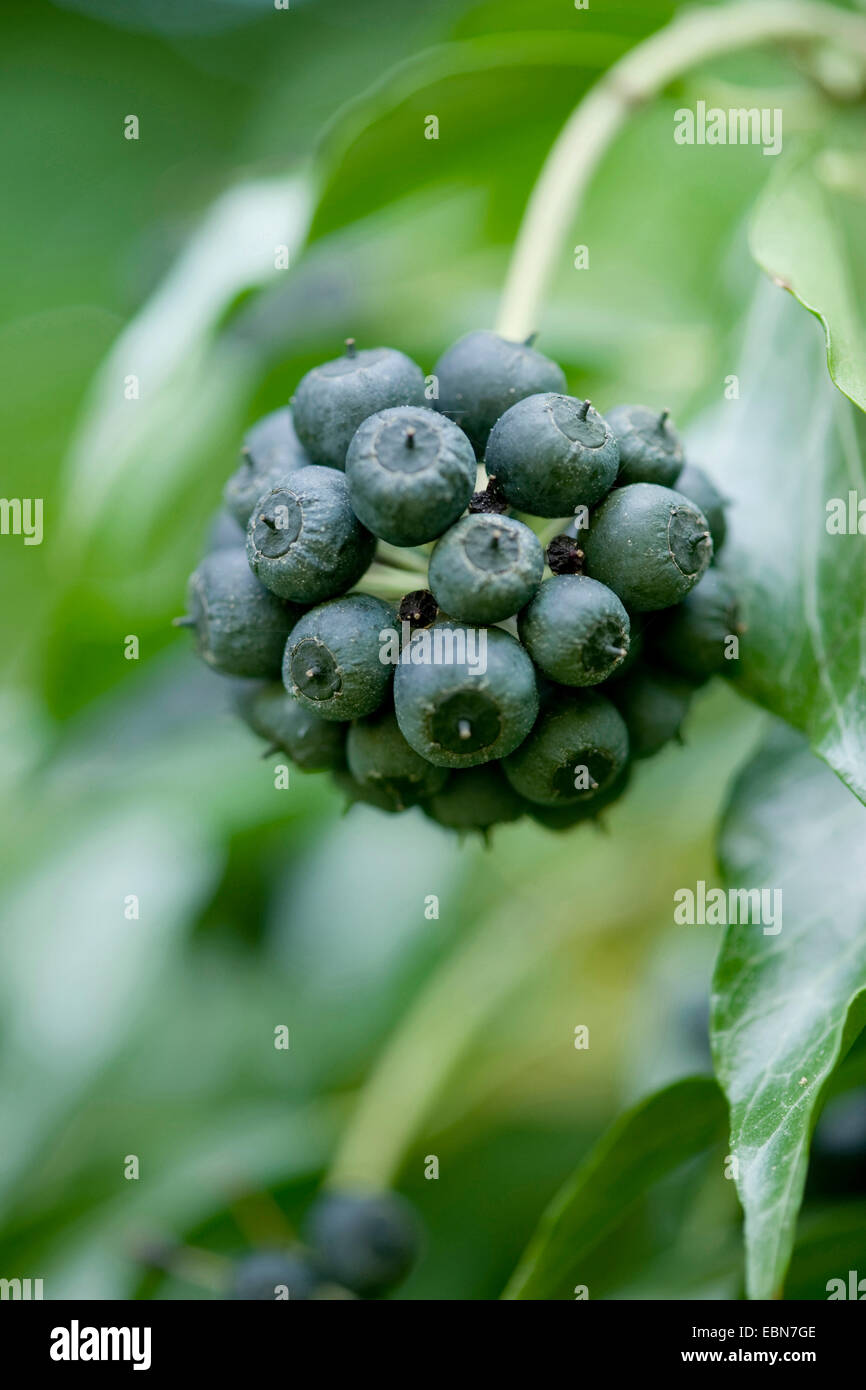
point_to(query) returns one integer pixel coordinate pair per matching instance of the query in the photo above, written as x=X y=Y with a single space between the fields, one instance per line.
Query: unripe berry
x=551 y=453
x=271 y=449
x=650 y=449
x=333 y=400
x=366 y=1241
x=649 y=544
x=692 y=638
x=332 y=664
x=577 y=748
x=482 y=375
x=575 y=629
x=653 y=704
x=475 y=798
x=410 y=474
x=304 y=542
x=454 y=714
x=240 y=627
x=312 y=743
x=380 y=758
x=485 y=568
x=694 y=484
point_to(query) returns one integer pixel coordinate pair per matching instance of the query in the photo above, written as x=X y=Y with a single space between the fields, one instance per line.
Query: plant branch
x=636 y=78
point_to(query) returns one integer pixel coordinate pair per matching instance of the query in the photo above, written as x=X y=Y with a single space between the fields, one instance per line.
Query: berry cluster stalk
x=639 y=76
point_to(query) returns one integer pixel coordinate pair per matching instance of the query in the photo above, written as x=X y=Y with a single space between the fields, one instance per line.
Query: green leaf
x=644 y=1145
x=787 y=1003
x=782 y=452
x=807 y=233
x=376 y=151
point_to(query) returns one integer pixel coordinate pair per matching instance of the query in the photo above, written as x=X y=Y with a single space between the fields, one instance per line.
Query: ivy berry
x=304 y=542
x=332 y=662
x=333 y=400
x=410 y=474
x=485 y=568
x=551 y=453
x=650 y=449
x=483 y=374
x=575 y=629
x=649 y=544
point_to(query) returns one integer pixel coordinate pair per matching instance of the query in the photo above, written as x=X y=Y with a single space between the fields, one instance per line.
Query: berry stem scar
x=640 y=75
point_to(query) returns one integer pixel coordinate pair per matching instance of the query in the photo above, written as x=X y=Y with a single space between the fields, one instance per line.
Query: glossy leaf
x=790 y=991
x=644 y=1145
x=787 y=452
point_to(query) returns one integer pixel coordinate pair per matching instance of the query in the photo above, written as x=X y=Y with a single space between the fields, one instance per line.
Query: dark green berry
x=366 y=1241
x=577 y=748
x=653 y=704
x=366 y=793
x=475 y=798
x=273 y=1275
x=411 y=473
x=304 y=542
x=575 y=629
x=241 y=627
x=694 y=484
x=565 y=817
x=551 y=453
x=271 y=449
x=637 y=640
x=693 y=637
x=312 y=743
x=332 y=663
x=333 y=400
x=649 y=544
x=482 y=375
x=379 y=756
x=485 y=568
x=464 y=696
x=650 y=450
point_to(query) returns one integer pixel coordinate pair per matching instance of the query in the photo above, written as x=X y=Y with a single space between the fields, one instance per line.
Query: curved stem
x=641 y=74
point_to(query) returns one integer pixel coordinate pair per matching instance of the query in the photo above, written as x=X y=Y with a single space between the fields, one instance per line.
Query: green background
x=258 y=907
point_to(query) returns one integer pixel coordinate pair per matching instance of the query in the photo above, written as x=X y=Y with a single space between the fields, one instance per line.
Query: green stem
x=398 y=557
x=639 y=76
x=388 y=582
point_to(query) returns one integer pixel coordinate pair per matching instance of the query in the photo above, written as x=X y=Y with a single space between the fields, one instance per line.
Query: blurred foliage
x=257 y=908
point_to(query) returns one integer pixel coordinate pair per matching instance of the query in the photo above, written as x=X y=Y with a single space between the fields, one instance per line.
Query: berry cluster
x=405 y=621
x=358 y=1245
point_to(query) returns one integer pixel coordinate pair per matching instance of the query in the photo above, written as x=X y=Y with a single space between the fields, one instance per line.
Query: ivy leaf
x=787 y=452
x=787 y=1003
x=807 y=233
x=645 y=1144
